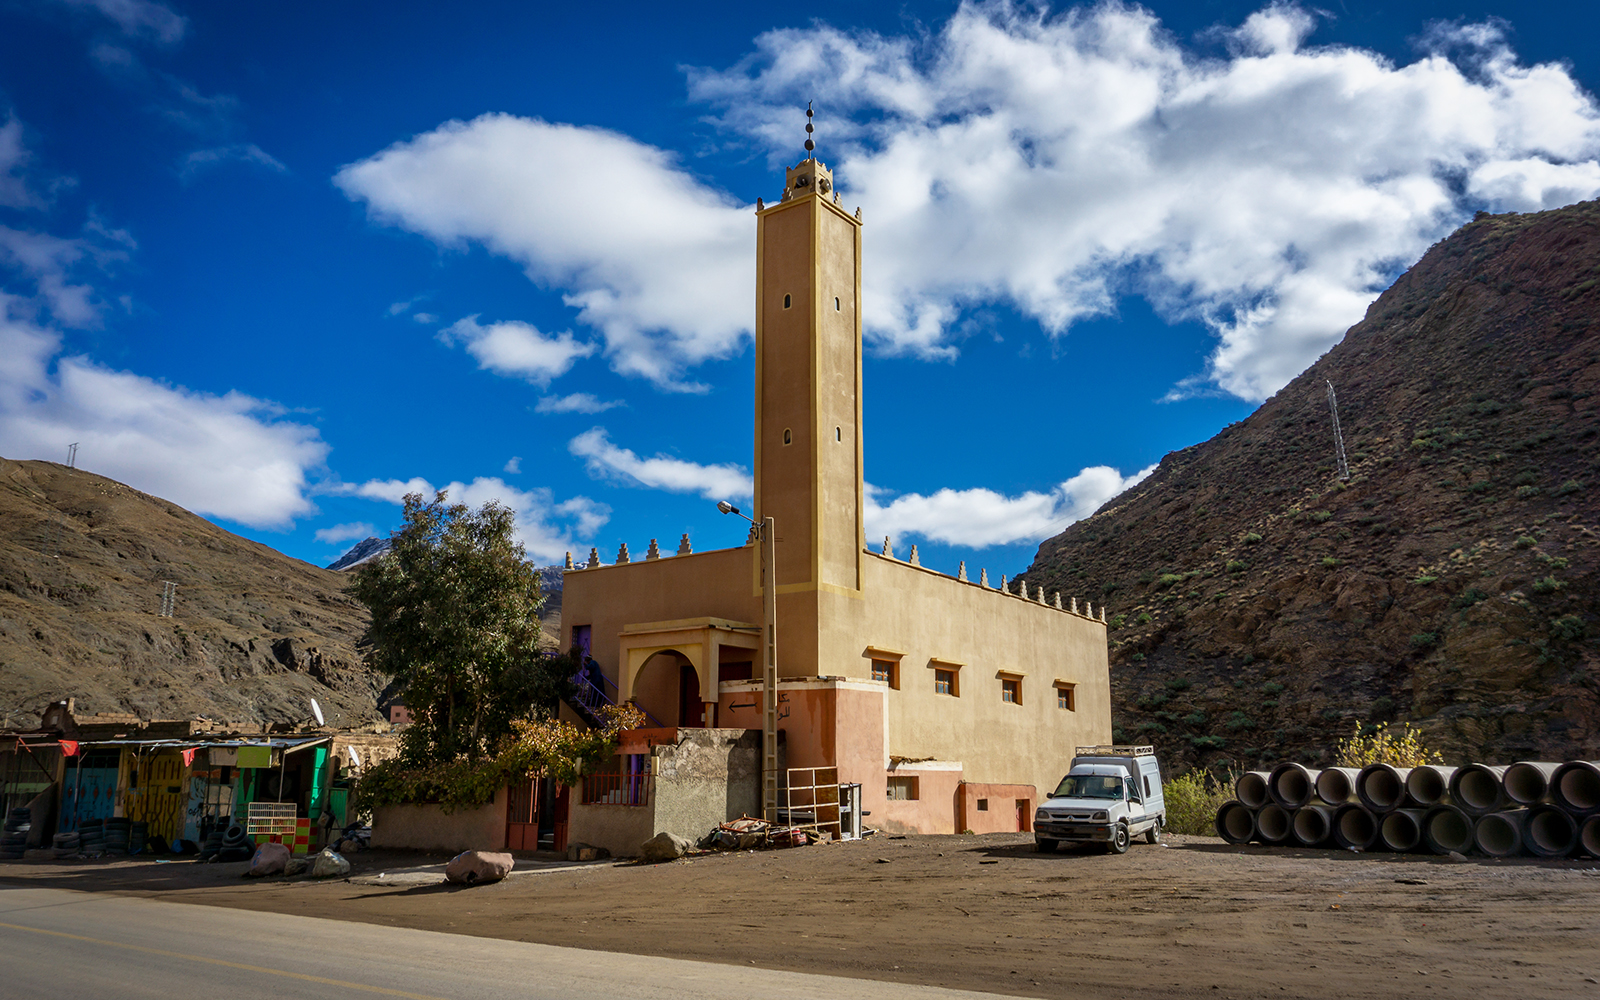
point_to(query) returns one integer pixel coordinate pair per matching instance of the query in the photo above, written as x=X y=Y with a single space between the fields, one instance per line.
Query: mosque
x=951 y=702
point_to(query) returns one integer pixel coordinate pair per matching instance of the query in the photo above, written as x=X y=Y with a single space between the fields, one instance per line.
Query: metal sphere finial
x=809 y=129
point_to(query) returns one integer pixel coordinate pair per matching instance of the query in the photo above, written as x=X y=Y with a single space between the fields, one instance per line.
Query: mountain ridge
x=1261 y=608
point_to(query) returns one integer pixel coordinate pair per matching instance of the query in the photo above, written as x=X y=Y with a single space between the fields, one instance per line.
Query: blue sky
x=280 y=263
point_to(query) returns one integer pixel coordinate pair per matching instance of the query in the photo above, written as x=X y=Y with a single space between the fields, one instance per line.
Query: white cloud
x=517 y=349
x=229 y=456
x=547 y=529
x=239 y=152
x=652 y=258
x=1059 y=161
x=513 y=467
x=345 y=533
x=14 y=191
x=425 y=318
x=577 y=402
x=138 y=18
x=607 y=461
x=979 y=518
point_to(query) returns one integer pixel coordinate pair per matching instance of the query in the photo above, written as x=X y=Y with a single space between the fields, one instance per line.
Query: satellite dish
x=355 y=758
x=316 y=710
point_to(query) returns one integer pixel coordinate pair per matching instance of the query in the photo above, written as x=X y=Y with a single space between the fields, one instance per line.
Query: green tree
x=455 y=618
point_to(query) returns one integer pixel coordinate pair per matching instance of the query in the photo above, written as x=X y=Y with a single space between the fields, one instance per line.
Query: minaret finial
x=810 y=146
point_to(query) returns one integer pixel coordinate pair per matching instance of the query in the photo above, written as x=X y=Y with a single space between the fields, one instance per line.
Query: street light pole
x=767 y=531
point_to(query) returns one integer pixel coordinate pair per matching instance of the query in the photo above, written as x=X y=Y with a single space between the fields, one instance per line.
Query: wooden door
x=522 y=815
x=563 y=802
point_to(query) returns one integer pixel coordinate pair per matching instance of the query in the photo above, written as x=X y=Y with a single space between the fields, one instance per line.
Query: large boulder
x=329 y=864
x=297 y=866
x=269 y=860
x=474 y=867
x=664 y=846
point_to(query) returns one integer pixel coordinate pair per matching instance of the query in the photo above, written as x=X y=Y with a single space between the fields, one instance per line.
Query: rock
x=329 y=864
x=1458 y=857
x=474 y=867
x=586 y=852
x=296 y=866
x=269 y=860
x=664 y=846
x=349 y=846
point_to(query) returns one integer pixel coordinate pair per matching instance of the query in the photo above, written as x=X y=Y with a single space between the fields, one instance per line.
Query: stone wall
x=430 y=828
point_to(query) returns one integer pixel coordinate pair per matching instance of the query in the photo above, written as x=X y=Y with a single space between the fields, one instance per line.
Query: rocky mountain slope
x=1261 y=607
x=253 y=636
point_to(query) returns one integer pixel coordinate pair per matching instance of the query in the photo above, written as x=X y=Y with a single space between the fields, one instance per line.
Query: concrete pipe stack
x=1534 y=808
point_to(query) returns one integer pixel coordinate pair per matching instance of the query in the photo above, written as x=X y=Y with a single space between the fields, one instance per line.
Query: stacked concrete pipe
x=1545 y=809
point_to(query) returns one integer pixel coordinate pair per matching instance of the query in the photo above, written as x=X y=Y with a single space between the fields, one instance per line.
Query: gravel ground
x=1192 y=917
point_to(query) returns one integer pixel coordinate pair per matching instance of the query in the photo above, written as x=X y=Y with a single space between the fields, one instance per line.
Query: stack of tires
x=14 y=840
x=138 y=833
x=117 y=835
x=212 y=843
x=67 y=845
x=1545 y=809
x=235 y=845
x=92 y=837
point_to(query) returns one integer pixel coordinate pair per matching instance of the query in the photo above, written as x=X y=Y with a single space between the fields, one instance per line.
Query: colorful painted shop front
x=277 y=788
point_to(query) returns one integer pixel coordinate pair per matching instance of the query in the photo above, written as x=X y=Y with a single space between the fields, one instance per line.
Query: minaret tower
x=808 y=390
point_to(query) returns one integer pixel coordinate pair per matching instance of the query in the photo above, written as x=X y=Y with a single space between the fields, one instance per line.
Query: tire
x=1045 y=846
x=1119 y=840
x=1153 y=835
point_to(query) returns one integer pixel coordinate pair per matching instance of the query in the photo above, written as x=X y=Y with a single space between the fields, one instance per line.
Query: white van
x=1110 y=795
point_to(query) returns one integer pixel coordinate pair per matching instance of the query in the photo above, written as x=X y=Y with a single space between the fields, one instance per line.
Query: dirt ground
x=1193 y=917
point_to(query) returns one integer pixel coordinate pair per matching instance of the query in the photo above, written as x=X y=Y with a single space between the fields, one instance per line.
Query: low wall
x=991 y=808
x=932 y=811
x=430 y=828
x=704 y=777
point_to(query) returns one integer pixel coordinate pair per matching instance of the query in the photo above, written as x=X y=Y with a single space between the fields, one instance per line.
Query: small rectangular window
x=836 y=303
x=983 y=805
x=886 y=671
x=944 y=682
x=1011 y=690
x=1066 y=697
x=786 y=301
x=902 y=789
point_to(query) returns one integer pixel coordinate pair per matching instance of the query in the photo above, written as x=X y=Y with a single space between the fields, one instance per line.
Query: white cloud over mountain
x=229 y=456
x=979 y=518
x=1058 y=161
x=1053 y=162
x=547 y=529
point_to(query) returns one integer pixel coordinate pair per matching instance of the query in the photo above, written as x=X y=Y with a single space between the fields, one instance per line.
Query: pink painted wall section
x=1002 y=814
x=430 y=828
x=932 y=811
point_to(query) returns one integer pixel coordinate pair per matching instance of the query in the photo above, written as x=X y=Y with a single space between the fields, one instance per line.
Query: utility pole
x=1338 y=436
x=72 y=455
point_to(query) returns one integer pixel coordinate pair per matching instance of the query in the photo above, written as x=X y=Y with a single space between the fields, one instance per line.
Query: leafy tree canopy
x=455 y=618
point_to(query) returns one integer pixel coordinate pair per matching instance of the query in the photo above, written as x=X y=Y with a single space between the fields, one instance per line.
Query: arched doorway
x=668 y=687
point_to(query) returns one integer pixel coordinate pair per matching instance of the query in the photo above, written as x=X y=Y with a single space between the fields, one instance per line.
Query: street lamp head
x=727 y=508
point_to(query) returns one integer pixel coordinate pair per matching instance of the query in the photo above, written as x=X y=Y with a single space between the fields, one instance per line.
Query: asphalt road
x=57 y=943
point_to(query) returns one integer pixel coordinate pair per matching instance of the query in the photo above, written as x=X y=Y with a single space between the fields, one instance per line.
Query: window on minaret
x=836 y=303
x=786 y=301
x=788 y=438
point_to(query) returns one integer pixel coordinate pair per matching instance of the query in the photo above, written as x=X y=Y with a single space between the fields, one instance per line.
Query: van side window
x=1147 y=785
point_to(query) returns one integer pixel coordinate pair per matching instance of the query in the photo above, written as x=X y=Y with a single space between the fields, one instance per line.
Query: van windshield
x=1089 y=786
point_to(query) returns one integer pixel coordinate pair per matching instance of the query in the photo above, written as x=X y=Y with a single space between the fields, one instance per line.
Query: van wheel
x=1119 y=839
x=1153 y=835
x=1045 y=846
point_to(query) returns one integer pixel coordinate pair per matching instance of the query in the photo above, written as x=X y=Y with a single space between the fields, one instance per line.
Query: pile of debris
x=1549 y=810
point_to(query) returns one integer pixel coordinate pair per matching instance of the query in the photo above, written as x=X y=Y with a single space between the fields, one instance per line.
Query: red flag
x=188 y=757
x=69 y=748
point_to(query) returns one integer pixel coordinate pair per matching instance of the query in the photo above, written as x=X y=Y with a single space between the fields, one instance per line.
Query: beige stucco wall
x=928 y=615
x=430 y=828
x=1002 y=815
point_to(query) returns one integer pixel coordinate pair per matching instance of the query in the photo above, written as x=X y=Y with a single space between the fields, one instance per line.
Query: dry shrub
x=1193 y=800
x=1383 y=747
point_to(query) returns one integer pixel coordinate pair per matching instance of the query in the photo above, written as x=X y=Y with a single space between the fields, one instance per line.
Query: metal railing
x=596 y=690
x=617 y=789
